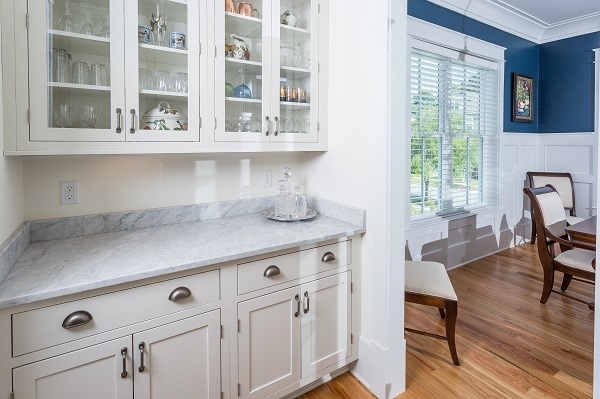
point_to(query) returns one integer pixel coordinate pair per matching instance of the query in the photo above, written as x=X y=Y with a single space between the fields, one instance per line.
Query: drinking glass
x=300 y=206
x=180 y=82
x=89 y=115
x=62 y=115
x=87 y=28
x=162 y=81
x=66 y=22
x=61 y=71
x=99 y=76
x=146 y=79
x=81 y=73
x=158 y=23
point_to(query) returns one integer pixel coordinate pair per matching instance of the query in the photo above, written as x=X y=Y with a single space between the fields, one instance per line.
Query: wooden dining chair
x=427 y=283
x=550 y=221
x=563 y=183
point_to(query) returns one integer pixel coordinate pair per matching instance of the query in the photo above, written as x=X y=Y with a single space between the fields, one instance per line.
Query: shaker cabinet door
x=268 y=342
x=180 y=359
x=91 y=373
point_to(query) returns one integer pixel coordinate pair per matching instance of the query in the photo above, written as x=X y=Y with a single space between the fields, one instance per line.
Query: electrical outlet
x=69 y=192
x=267 y=178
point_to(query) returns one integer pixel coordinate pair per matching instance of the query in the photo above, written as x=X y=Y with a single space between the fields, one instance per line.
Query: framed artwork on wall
x=522 y=98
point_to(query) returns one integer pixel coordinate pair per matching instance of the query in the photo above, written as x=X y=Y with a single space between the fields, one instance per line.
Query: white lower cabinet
x=176 y=360
x=288 y=335
x=288 y=318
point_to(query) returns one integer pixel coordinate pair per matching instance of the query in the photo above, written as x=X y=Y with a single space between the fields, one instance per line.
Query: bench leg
x=442 y=314
x=451 y=313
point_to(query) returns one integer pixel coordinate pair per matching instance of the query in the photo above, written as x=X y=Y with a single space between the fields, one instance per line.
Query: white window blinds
x=454 y=133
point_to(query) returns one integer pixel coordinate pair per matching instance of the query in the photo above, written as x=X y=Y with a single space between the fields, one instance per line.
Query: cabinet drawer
x=267 y=272
x=42 y=328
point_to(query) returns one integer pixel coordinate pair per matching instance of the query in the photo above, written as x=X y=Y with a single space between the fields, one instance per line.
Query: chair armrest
x=560 y=240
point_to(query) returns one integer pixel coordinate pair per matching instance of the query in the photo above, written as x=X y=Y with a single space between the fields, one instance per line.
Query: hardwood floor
x=509 y=345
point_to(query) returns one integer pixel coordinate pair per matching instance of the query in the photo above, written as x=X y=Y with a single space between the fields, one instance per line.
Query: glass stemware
x=105 y=31
x=66 y=22
x=158 y=23
x=87 y=28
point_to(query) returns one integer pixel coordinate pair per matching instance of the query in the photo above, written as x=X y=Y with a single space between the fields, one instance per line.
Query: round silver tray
x=270 y=214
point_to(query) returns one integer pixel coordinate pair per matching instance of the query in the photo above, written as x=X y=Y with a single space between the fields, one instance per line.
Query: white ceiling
x=536 y=20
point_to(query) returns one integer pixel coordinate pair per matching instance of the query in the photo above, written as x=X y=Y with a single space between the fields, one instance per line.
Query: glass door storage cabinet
x=96 y=75
x=267 y=71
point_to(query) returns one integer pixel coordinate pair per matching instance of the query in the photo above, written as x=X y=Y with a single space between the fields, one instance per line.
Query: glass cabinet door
x=162 y=70
x=298 y=71
x=265 y=68
x=243 y=54
x=76 y=70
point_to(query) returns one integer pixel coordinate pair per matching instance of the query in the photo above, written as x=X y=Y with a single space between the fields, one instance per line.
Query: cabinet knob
x=328 y=257
x=179 y=294
x=272 y=271
x=76 y=319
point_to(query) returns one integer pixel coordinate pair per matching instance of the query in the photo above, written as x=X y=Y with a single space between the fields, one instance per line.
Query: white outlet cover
x=69 y=192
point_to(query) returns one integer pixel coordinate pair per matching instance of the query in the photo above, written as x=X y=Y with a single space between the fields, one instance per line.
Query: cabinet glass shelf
x=162 y=55
x=78 y=43
x=79 y=89
x=244 y=100
x=166 y=94
x=241 y=25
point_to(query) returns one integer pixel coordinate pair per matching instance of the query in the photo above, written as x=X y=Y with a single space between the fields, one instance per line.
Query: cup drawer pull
x=76 y=319
x=179 y=294
x=328 y=257
x=272 y=271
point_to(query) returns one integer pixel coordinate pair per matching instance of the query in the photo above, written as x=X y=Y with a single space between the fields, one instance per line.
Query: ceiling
x=537 y=20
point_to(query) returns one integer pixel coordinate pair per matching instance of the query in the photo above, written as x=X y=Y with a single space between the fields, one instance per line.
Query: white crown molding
x=520 y=24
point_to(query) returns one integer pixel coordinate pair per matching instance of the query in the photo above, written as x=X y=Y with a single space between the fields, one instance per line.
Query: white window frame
x=436 y=39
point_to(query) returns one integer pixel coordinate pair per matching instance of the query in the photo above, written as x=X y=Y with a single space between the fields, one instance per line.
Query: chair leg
x=442 y=314
x=548 y=284
x=566 y=281
x=533 y=232
x=451 y=314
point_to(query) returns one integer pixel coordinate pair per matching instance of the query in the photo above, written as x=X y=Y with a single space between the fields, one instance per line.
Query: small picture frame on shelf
x=522 y=98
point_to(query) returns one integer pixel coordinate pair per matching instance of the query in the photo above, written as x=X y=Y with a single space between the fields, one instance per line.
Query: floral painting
x=522 y=98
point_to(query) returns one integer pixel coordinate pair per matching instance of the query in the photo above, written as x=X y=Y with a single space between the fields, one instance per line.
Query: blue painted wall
x=563 y=71
x=567 y=84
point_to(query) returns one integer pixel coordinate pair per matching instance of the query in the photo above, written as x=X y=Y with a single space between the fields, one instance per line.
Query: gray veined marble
x=103 y=250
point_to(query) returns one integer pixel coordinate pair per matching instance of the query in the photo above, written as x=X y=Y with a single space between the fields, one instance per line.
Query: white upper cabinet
x=141 y=76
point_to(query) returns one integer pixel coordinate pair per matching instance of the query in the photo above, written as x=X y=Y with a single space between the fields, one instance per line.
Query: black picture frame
x=523 y=100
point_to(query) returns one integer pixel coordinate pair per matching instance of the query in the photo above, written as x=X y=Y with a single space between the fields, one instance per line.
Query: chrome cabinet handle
x=179 y=294
x=268 y=126
x=76 y=319
x=272 y=271
x=132 y=129
x=276 y=132
x=124 y=356
x=328 y=257
x=141 y=348
x=307 y=308
x=118 y=120
x=298 y=302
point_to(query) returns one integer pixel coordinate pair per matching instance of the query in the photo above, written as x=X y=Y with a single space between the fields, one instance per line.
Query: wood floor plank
x=509 y=344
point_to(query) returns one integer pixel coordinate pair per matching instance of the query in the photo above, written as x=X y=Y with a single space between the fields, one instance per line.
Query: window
x=454 y=106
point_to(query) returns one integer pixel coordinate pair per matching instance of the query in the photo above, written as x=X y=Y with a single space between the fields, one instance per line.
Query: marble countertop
x=52 y=268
